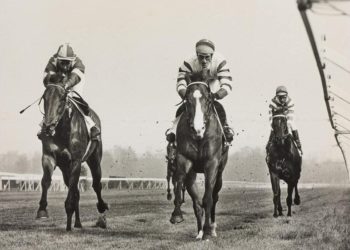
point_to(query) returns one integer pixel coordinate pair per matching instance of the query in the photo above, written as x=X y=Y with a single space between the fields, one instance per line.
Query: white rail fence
x=30 y=183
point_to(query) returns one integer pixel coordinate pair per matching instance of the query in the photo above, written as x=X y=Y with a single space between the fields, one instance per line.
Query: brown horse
x=200 y=149
x=284 y=162
x=64 y=144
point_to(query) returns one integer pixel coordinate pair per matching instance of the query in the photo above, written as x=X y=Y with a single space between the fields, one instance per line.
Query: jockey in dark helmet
x=65 y=67
x=214 y=67
x=283 y=104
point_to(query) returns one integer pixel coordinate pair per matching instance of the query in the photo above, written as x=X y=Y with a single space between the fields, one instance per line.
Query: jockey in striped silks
x=283 y=104
x=214 y=67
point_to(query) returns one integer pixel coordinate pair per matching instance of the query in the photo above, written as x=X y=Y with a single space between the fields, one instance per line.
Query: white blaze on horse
x=200 y=149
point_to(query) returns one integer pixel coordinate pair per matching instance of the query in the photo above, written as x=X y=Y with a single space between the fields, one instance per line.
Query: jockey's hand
x=221 y=93
x=182 y=93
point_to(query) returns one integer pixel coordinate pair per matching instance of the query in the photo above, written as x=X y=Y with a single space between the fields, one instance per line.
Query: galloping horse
x=284 y=162
x=171 y=168
x=200 y=149
x=65 y=142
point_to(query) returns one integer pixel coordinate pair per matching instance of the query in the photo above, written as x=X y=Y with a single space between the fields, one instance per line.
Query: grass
x=140 y=220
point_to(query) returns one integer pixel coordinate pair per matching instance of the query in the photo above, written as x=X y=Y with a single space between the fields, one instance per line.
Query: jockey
x=66 y=67
x=283 y=104
x=214 y=67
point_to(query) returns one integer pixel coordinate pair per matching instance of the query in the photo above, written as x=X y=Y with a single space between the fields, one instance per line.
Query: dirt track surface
x=140 y=220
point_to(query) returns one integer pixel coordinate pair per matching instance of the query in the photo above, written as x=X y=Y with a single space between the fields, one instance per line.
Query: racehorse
x=64 y=144
x=200 y=149
x=284 y=162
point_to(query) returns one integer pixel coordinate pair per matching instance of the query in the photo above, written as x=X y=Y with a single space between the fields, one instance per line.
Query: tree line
x=246 y=164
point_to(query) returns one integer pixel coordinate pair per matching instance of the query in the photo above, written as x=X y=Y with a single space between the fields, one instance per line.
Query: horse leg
x=289 y=199
x=276 y=195
x=217 y=188
x=94 y=163
x=48 y=164
x=296 y=196
x=210 y=174
x=176 y=216
x=183 y=194
x=183 y=166
x=95 y=168
x=168 y=177
x=197 y=206
x=72 y=200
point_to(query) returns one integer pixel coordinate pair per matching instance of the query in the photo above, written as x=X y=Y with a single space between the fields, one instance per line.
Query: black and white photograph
x=164 y=124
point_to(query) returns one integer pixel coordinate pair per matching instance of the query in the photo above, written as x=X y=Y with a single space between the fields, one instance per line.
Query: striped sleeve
x=224 y=75
x=290 y=110
x=184 y=69
x=272 y=106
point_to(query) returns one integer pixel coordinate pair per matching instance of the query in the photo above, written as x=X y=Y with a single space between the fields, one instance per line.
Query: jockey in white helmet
x=66 y=67
x=214 y=67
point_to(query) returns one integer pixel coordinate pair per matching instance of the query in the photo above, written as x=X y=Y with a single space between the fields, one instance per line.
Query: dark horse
x=64 y=144
x=284 y=162
x=200 y=149
x=171 y=168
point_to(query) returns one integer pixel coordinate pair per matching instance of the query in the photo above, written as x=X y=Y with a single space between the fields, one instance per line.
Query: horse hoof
x=78 y=225
x=297 y=201
x=289 y=215
x=169 y=197
x=101 y=222
x=176 y=219
x=200 y=235
x=68 y=229
x=275 y=215
x=206 y=236
x=42 y=214
x=102 y=207
x=213 y=230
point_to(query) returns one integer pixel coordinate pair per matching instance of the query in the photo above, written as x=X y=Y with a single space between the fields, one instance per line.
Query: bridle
x=209 y=103
x=284 y=136
x=51 y=128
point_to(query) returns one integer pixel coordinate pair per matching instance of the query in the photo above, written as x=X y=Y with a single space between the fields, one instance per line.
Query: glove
x=221 y=93
x=182 y=93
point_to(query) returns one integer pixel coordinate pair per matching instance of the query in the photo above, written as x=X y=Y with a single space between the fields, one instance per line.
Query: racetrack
x=140 y=220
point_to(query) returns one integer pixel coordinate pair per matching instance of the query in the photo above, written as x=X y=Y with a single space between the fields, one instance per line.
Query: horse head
x=198 y=101
x=280 y=129
x=55 y=100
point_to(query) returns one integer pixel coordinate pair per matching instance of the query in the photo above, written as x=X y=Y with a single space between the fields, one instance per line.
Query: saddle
x=82 y=104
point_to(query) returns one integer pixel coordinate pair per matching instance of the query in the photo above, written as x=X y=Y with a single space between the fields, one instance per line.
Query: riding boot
x=296 y=138
x=229 y=133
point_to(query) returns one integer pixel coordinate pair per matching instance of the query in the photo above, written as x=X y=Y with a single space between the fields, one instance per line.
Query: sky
x=133 y=49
